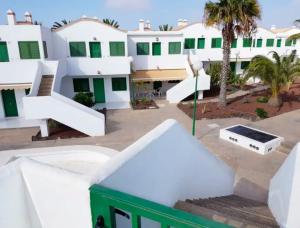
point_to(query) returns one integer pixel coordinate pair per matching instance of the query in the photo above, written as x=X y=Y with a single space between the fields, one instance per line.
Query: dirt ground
x=245 y=106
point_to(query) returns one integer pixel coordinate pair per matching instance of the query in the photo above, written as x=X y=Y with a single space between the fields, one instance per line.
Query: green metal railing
x=104 y=201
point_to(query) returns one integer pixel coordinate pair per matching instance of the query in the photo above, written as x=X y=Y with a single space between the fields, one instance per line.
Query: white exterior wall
x=67 y=88
x=150 y=62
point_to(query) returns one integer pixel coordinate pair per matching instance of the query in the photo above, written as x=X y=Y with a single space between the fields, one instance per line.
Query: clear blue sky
x=127 y=12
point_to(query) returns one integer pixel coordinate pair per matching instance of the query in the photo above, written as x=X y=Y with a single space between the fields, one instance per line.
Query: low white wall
x=284 y=193
x=157 y=169
x=58 y=107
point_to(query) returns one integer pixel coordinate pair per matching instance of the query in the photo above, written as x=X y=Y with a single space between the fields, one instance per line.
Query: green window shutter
x=95 y=49
x=270 y=42
x=142 y=49
x=29 y=50
x=3 y=52
x=288 y=43
x=81 y=85
x=247 y=42
x=174 y=48
x=119 y=84
x=244 y=64
x=201 y=43
x=117 y=48
x=278 y=43
x=77 y=49
x=234 y=43
x=189 y=43
x=294 y=42
x=156 y=48
x=259 y=43
x=45 y=49
x=216 y=42
x=233 y=66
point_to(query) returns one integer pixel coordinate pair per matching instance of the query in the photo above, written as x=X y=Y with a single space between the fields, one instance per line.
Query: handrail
x=105 y=200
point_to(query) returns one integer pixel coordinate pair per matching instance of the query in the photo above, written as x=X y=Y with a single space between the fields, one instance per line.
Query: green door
x=99 y=90
x=156 y=48
x=9 y=103
x=95 y=49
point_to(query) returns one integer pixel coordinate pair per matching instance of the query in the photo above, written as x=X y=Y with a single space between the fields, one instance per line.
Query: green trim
x=201 y=43
x=119 y=84
x=270 y=42
x=216 y=43
x=9 y=103
x=174 y=48
x=104 y=200
x=259 y=43
x=99 y=90
x=189 y=43
x=77 y=49
x=234 y=43
x=142 y=48
x=247 y=42
x=29 y=49
x=3 y=52
x=95 y=49
x=117 y=48
x=81 y=85
x=156 y=48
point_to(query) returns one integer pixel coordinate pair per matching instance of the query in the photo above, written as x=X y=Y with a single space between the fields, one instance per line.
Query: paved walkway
x=253 y=171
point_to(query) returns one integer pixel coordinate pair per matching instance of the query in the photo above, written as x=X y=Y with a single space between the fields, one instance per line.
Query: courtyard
x=253 y=171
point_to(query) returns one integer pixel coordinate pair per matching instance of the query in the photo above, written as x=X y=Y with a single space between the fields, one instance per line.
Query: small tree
x=276 y=73
x=111 y=22
x=165 y=27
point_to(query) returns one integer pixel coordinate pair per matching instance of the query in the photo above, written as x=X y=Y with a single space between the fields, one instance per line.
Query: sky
x=281 y=13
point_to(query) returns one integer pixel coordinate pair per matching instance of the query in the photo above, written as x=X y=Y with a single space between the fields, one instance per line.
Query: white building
x=42 y=70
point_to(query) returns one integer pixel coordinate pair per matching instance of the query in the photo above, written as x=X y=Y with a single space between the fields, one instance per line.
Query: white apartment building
x=41 y=70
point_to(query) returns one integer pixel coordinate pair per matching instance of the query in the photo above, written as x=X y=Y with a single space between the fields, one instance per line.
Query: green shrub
x=84 y=99
x=262 y=100
x=261 y=113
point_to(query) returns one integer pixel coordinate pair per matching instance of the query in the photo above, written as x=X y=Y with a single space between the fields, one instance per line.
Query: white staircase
x=187 y=87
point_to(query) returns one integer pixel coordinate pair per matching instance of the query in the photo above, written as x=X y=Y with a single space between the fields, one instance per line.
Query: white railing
x=66 y=111
x=37 y=81
x=187 y=87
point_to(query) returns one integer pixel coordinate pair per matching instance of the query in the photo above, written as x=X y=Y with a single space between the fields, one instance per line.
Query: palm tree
x=111 y=22
x=276 y=72
x=165 y=27
x=57 y=25
x=295 y=36
x=234 y=18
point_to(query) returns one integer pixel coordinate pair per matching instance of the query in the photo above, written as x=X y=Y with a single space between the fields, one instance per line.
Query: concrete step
x=46 y=85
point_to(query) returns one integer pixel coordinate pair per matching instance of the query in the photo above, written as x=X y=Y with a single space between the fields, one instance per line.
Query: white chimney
x=148 y=24
x=11 y=17
x=273 y=27
x=179 y=22
x=141 y=25
x=185 y=22
x=182 y=22
x=28 y=17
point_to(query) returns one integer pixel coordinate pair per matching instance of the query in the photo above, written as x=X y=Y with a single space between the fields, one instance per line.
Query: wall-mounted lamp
x=99 y=72
x=95 y=38
x=157 y=39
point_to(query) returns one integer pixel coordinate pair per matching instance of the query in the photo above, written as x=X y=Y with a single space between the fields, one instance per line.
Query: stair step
x=46 y=85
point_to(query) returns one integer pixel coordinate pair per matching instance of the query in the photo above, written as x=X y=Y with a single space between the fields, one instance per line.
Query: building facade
x=42 y=69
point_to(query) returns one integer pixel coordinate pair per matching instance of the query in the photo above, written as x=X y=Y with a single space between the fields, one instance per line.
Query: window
x=45 y=49
x=234 y=43
x=189 y=43
x=27 y=91
x=216 y=43
x=95 y=49
x=77 y=49
x=3 y=52
x=259 y=43
x=244 y=65
x=174 y=48
x=119 y=84
x=278 y=43
x=29 y=50
x=81 y=85
x=270 y=42
x=117 y=48
x=201 y=43
x=233 y=66
x=288 y=43
x=142 y=48
x=156 y=48
x=294 y=42
x=247 y=42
